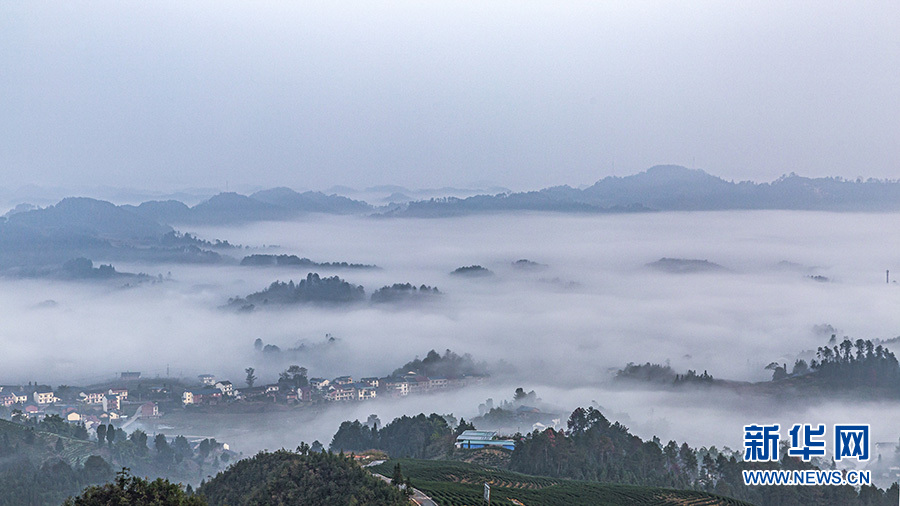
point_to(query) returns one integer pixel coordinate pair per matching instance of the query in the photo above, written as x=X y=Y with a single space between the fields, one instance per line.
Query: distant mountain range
x=675 y=188
x=224 y=208
x=79 y=227
x=83 y=227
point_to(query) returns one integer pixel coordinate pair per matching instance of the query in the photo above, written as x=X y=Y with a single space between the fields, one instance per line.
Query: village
x=130 y=398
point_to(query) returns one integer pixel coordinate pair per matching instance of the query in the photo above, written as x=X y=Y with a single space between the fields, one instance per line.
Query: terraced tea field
x=461 y=484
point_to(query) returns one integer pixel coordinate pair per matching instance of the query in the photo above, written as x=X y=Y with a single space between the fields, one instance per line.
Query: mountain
x=39 y=241
x=676 y=188
x=665 y=187
x=162 y=211
x=235 y=208
x=80 y=216
x=274 y=204
x=310 y=202
x=531 y=201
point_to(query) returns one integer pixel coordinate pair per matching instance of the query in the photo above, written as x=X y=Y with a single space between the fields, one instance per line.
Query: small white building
x=44 y=398
x=397 y=387
x=226 y=387
x=365 y=392
x=121 y=393
x=93 y=397
x=341 y=393
x=319 y=383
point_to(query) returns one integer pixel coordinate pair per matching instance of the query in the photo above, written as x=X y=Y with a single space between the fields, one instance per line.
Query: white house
x=93 y=396
x=365 y=392
x=43 y=398
x=341 y=393
x=226 y=387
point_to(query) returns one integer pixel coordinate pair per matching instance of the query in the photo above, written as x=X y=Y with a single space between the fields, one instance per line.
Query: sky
x=523 y=94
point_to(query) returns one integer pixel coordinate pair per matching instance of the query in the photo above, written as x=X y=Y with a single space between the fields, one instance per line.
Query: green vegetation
x=853 y=367
x=475 y=271
x=333 y=290
x=38 y=466
x=459 y=484
x=870 y=366
x=418 y=437
x=294 y=260
x=128 y=489
x=450 y=365
x=302 y=477
x=596 y=450
x=654 y=373
x=524 y=263
x=403 y=292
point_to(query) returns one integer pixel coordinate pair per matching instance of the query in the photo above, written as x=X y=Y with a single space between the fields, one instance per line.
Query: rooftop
x=477 y=435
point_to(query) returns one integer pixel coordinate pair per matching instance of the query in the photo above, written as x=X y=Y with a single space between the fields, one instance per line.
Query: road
x=418 y=496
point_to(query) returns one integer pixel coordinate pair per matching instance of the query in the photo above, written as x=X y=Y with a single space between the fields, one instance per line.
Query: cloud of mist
x=561 y=330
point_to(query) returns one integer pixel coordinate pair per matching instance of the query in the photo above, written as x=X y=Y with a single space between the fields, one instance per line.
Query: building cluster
x=214 y=392
x=89 y=406
x=340 y=389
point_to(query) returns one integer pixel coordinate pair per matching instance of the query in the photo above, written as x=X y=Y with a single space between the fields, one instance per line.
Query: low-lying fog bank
x=693 y=416
x=595 y=307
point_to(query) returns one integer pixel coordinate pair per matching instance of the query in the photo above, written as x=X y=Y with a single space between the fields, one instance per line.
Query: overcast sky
x=526 y=94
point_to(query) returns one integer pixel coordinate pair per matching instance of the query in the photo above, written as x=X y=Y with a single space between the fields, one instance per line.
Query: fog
x=562 y=330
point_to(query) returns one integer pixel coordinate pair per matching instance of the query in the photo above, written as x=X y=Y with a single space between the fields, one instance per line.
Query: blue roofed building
x=475 y=439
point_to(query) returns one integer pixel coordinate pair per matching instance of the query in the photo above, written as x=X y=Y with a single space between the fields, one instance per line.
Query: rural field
x=462 y=484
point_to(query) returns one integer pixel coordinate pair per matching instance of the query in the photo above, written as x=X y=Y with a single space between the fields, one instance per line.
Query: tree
x=101 y=433
x=204 y=448
x=80 y=432
x=110 y=434
x=128 y=489
x=293 y=377
x=397 y=478
x=251 y=378
x=139 y=438
x=96 y=469
x=163 y=451
x=182 y=448
x=463 y=426
x=285 y=477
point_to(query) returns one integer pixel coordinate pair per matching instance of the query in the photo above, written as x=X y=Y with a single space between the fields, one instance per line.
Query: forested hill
x=303 y=477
